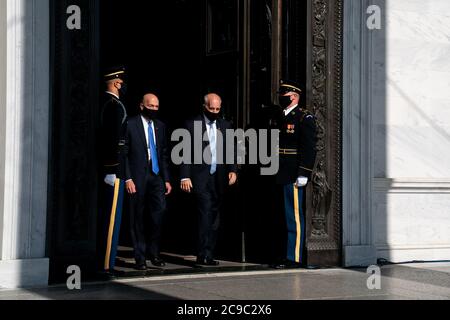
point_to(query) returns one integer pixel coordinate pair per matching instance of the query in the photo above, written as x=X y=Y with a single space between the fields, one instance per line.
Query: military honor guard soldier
x=297 y=152
x=113 y=124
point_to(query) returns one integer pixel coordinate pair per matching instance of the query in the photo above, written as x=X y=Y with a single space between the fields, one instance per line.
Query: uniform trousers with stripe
x=108 y=225
x=295 y=222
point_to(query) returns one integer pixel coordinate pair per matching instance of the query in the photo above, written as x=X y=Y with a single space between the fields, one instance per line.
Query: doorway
x=179 y=50
x=182 y=49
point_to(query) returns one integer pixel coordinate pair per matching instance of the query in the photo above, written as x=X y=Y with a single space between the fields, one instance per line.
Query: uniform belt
x=288 y=151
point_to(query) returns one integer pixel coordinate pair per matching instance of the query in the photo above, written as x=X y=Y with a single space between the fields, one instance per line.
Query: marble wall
x=397 y=132
x=418 y=90
x=412 y=224
x=412 y=215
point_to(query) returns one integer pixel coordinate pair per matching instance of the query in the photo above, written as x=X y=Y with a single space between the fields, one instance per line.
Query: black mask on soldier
x=123 y=89
x=285 y=101
x=150 y=114
x=212 y=116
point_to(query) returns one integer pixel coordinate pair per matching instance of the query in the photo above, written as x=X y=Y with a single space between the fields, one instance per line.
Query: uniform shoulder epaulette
x=306 y=115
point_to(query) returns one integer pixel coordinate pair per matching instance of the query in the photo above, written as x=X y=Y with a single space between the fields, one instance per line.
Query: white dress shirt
x=212 y=127
x=208 y=128
x=287 y=111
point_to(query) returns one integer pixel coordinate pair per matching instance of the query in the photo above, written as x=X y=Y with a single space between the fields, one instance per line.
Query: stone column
x=3 y=25
x=24 y=123
x=359 y=249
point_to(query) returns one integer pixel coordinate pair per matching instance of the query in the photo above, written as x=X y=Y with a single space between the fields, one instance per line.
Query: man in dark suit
x=208 y=180
x=147 y=180
x=113 y=121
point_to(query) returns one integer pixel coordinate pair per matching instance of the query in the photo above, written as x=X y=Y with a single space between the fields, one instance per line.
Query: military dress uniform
x=297 y=154
x=113 y=126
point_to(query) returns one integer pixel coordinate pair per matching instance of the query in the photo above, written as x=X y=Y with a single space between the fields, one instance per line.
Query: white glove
x=301 y=182
x=110 y=180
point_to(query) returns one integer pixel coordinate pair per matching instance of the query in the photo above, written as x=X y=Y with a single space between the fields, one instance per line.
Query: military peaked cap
x=289 y=86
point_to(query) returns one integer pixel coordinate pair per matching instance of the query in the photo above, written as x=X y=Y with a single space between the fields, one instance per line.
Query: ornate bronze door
x=325 y=99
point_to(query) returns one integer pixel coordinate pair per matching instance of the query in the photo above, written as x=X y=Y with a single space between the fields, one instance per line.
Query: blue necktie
x=213 y=146
x=152 y=147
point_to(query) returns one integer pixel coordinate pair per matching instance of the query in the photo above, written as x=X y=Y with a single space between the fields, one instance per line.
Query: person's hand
x=110 y=180
x=186 y=185
x=301 y=182
x=131 y=188
x=232 y=178
x=168 y=188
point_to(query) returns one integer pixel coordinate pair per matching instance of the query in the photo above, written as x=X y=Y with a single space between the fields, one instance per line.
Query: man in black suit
x=147 y=180
x=209 y=179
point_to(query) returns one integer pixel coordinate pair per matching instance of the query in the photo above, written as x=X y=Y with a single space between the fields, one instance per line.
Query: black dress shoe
x=158 y=262
x=207 y=262
x=312 y=267
x=141 y=267
x=105 y=275
x=286 y=264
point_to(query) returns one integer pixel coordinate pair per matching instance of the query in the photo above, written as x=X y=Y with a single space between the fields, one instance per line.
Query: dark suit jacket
x=137 y=161
x=199 y=173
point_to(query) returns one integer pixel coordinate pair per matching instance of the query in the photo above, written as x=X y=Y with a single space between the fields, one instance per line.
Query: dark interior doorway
x=158 y=42
x=180 y=50
x=265 y=232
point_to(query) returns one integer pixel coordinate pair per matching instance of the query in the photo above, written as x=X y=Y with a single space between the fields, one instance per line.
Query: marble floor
x=176 y=264
x=398 y=282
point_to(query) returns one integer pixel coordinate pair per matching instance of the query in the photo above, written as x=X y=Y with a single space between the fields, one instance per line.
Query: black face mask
x=212 y=116
x=150 y=114
x=285 y=101
x=123 y=89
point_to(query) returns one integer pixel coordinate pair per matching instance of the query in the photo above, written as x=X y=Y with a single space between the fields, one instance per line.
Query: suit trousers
x=209 y=202
x=147 y=208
